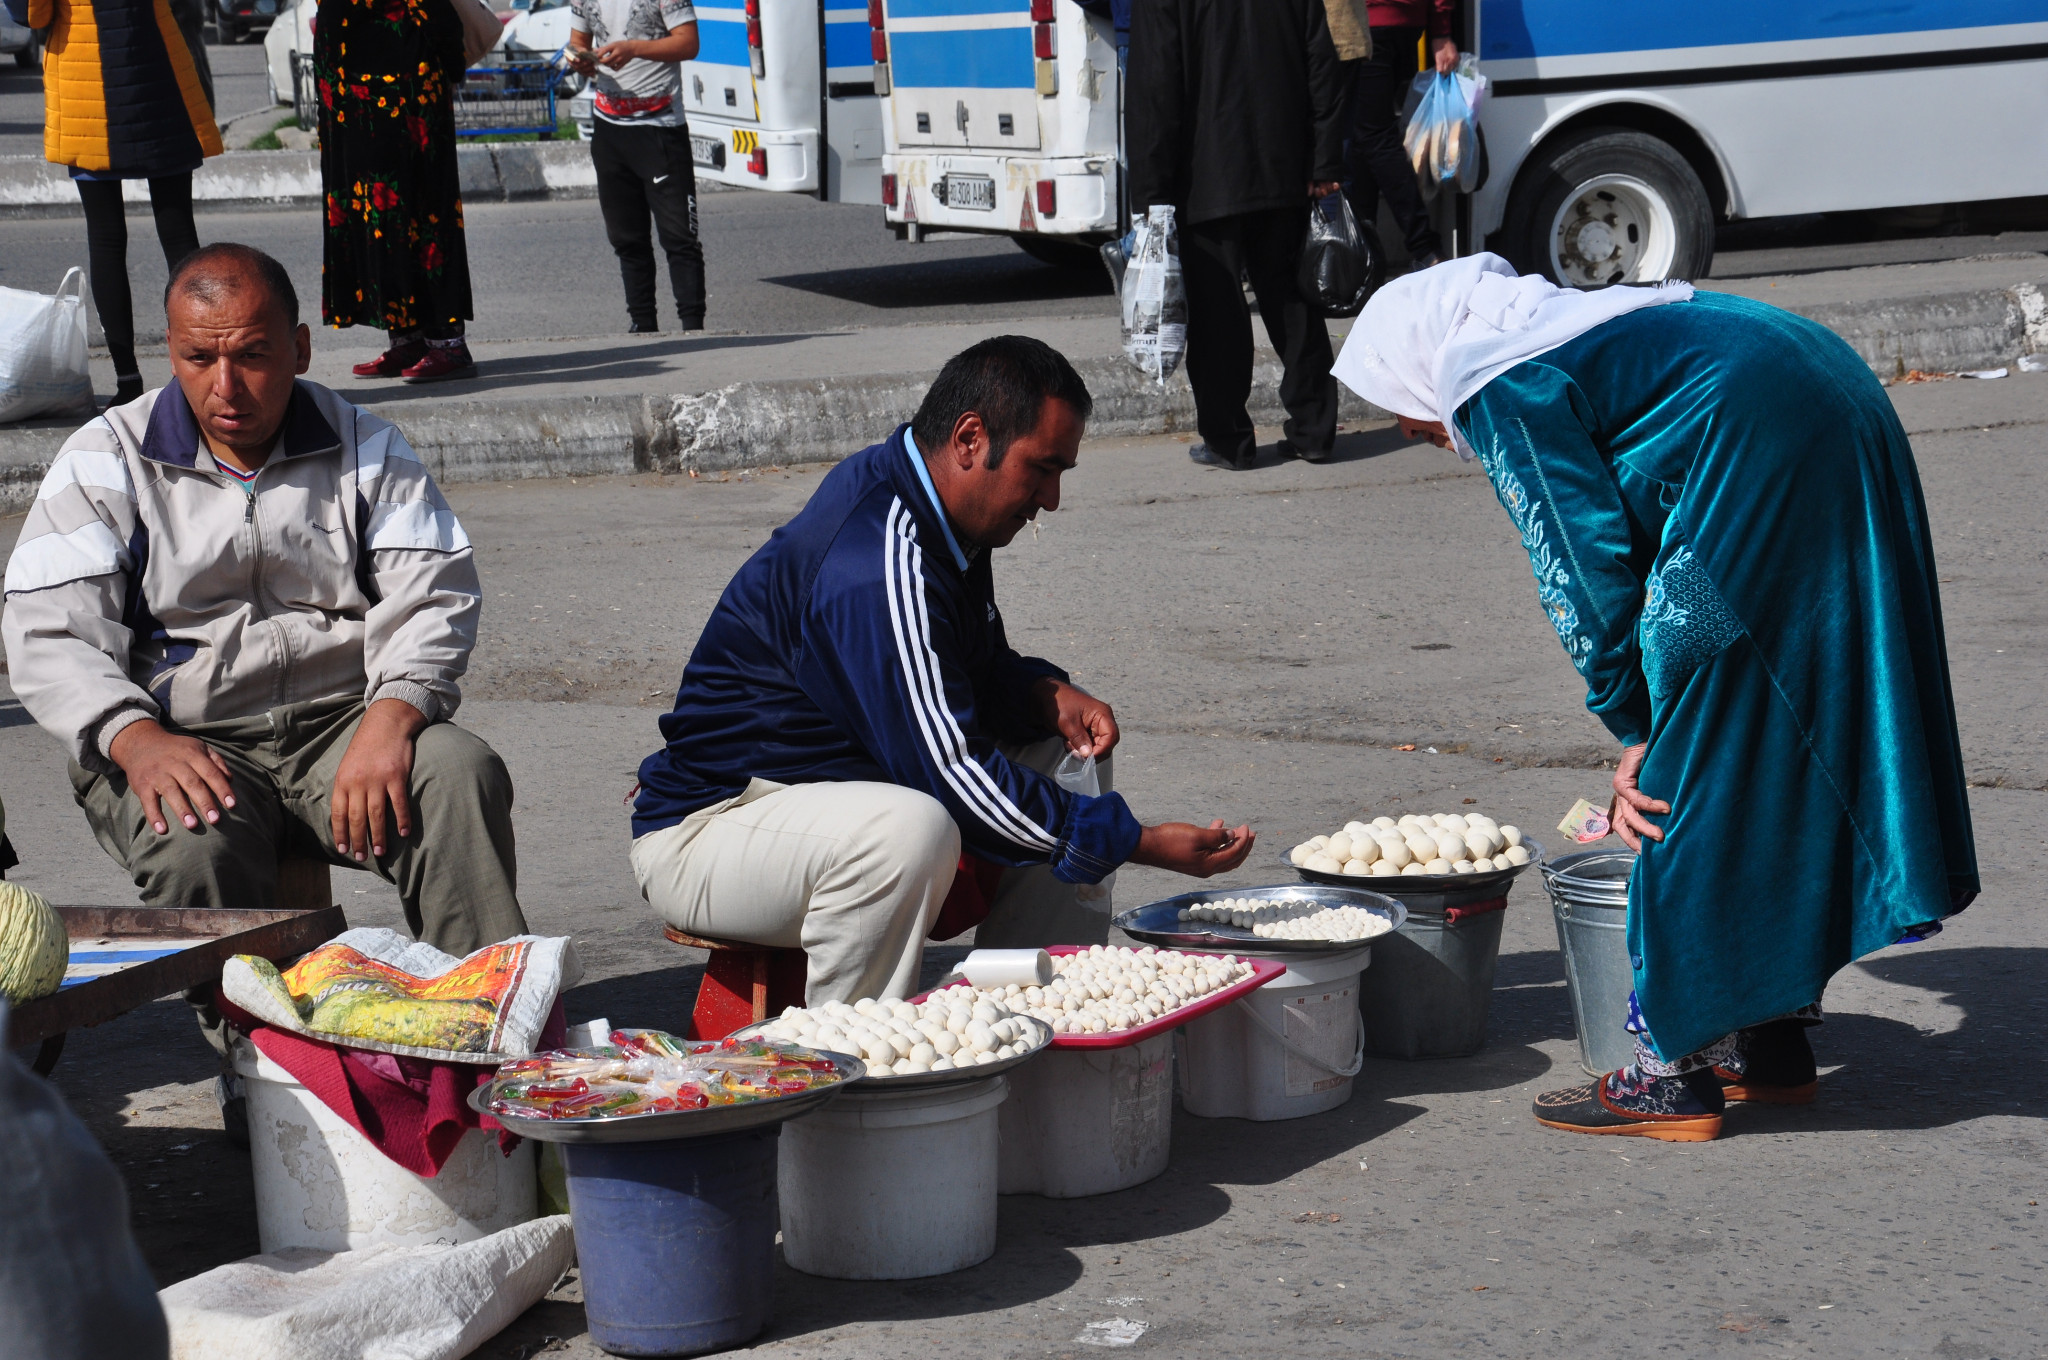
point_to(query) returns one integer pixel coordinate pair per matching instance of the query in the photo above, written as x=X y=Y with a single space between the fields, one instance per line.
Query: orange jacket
x=121 y=92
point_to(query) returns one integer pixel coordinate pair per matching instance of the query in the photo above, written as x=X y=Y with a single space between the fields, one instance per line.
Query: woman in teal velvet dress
x=1728 y=534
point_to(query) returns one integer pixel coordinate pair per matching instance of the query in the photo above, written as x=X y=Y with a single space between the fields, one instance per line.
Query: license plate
x=976 y=193
x=709 y=151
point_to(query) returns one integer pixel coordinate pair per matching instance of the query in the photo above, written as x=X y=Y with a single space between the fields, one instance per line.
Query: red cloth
x=970 y=899
x=1435 y=15
x=413 y=1110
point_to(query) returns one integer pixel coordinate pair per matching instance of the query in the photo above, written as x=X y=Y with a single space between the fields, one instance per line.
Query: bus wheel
x=1610 y=205
x=1062 y=252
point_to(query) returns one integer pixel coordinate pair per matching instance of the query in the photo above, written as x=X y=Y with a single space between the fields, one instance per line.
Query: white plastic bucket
x=1289 y=1049
x=321 y=1184
x=1086 y=1121
x=892 y=1185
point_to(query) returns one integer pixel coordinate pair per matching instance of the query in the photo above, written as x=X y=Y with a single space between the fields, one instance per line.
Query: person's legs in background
x=1374 y=162
x=1219 y=342
x=1272 y=257
x=170 y=202
x=106 y=253
x=622 y=199
x=673 y=195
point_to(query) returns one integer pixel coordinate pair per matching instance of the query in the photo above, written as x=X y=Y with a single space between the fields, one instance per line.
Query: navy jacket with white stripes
x=852 y=646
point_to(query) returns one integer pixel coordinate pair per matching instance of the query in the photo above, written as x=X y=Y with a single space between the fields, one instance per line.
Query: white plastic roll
x=1007 y=967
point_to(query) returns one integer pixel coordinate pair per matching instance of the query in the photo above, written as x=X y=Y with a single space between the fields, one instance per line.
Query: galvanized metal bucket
x=1431 y=982
x=1589 y=898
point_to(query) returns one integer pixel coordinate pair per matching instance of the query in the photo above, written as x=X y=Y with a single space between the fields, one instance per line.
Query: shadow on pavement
x=1893 y=1075
x=975 y=280
x=594 y=365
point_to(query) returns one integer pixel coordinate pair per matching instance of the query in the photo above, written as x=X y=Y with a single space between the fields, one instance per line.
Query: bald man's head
x=210 y=274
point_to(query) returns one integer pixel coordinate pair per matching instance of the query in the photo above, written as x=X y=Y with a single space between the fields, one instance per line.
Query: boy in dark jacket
x=1234 y=115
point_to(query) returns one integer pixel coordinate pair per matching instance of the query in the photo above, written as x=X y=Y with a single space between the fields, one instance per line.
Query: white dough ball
x=1323 y=864
x=1356 y=829
x=1414 y=868
x=1383 y=823
x=1319 y=841
x=1512 y=835
x=1408 y=820
x=1356 y=867
x=1517 y=855
x=1396 y=853
x=1339 y=848
x=1366 y=848
x=1438 y=866
x=1451 y=846
x=1300 y=854
x=1482 y=866
x=1462 y=866
x=1384 y=869
x=1454 y=822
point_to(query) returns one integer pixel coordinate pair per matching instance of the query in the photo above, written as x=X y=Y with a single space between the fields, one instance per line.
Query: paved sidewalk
x=721 y=401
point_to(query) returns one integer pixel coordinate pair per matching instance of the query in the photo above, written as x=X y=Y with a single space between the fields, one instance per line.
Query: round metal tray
x=1159 y=923
x=653 y=1128
x=1399 y=883
x=878 y=1082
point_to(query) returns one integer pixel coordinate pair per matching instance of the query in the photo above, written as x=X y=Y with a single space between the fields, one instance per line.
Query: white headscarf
x=1427 y=341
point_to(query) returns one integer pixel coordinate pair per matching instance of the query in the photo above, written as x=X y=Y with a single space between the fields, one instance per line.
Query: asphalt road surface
x=1268 y=640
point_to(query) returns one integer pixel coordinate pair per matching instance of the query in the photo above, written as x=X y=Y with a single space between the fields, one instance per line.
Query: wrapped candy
x=649 y=1072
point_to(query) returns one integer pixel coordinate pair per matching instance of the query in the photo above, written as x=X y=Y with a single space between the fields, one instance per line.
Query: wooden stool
x=303 y=884
x=743 y=983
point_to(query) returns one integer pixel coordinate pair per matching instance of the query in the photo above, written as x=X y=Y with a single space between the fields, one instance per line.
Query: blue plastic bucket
x=676 y=1240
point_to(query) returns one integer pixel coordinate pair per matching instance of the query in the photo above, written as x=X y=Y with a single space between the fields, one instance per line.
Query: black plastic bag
x=1340 y=260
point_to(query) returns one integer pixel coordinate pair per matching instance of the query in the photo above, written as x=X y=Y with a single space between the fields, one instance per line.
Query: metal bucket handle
x=1357 y=1059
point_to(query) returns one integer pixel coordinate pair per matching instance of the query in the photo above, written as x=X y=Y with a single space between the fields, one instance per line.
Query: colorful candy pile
x=644 y=1071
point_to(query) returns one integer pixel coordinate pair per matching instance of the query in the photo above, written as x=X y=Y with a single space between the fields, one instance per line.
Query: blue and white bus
x=1001 y=117
x=1618 y=134
x=782 y=96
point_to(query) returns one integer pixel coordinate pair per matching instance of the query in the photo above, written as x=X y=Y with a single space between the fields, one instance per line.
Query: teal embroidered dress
x=1727 y=532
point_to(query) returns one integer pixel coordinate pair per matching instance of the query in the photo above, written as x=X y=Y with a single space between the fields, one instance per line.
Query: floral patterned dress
x=395 y=257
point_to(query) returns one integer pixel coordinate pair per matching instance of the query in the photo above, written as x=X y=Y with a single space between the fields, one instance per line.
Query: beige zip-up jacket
x=149 y=584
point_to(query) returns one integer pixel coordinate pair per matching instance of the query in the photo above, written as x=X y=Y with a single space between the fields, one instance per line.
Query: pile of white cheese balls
x=1437 y=843
x=898 y=1038
x=1106 y=989
x=1293 y=919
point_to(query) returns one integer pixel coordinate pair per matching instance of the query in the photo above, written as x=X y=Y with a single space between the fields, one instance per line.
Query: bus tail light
x=757 y=164
x=755 y=57
x=1041 y=11
x=888 y=191
x=878 y=44
x=1041 y=41
x=1048 y=198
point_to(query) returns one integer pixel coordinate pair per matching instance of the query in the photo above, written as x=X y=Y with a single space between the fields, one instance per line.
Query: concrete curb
x=761 y=424
x=31 y=186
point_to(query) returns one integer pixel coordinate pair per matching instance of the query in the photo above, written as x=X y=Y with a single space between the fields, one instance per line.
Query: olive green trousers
x=455 y=874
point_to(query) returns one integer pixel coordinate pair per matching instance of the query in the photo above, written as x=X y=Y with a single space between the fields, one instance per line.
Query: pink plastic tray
x=1263 y=972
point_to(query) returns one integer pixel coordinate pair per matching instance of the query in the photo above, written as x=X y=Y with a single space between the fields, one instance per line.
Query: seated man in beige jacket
x=243 y=606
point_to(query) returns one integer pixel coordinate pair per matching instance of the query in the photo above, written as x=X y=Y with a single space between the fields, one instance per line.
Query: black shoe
x=1307 y=455
x=1208 y=457
x=638 y=327
x=1683 y=1109
x=1777 y=1066
x=691 y=323
x=127 y=387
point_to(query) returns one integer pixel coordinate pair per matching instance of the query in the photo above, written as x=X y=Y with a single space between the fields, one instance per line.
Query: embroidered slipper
x=1737 y=1086
x=1669 y=1109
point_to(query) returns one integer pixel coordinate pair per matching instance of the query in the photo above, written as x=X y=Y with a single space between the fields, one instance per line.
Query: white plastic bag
x=1077 y=774
x=1155 y=302
x=43 y=370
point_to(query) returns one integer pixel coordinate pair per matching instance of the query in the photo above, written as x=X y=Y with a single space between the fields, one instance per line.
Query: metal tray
x=1159 y=923
x=1395 y=884
x=1263 y=972
x=655 y=1128
x=880 y=1082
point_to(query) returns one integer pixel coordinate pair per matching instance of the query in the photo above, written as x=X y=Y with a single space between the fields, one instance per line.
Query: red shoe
x=442 y=364
x=393 y=362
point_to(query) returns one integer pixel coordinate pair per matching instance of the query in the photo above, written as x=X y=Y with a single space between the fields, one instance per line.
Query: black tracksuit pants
x=1266 y=247
x=1374 y=162
x=643 y=171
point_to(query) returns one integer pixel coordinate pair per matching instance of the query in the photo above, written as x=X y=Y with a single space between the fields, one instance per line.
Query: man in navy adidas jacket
x=841 y=729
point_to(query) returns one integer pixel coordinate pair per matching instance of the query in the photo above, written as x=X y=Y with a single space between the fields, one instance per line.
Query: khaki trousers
x=455 y=875
x=852 y=873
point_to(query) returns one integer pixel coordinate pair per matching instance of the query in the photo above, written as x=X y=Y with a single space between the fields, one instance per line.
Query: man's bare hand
x=173 y=776
x=370 y=788
x=1626 y=813
x=1445 y=53
x=1084 y=720
x=1199 y=851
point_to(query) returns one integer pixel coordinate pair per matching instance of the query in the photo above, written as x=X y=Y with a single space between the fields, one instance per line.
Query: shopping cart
x=511 y=96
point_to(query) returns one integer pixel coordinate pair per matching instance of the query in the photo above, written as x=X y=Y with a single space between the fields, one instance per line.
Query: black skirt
x=394 y=257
